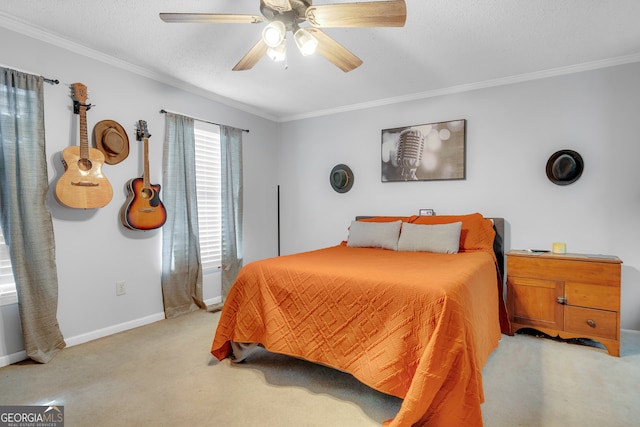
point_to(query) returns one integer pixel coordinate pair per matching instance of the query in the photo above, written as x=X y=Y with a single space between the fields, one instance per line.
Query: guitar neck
x=145 y=176
x=84 y=141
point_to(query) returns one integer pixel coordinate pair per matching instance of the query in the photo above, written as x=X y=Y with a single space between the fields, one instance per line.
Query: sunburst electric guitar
x=83 y=185
x=143 y=209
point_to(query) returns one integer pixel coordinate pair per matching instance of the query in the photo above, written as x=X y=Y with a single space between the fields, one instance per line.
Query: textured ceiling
x=445 y=45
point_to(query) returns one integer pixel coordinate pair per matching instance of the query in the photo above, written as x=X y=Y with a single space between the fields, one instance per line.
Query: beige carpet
x=162 y=375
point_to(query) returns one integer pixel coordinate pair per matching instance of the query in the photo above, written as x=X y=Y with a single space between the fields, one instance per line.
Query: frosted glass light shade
x=305 y=41
x=278 y=53
x=274 y=34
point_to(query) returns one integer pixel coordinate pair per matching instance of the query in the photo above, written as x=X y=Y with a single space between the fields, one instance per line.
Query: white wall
x=93 y=249
x=511 y=132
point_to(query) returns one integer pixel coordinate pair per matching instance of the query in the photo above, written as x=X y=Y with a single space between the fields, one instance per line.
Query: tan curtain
x=181 y=267
x=232 y=189
x=25 y=219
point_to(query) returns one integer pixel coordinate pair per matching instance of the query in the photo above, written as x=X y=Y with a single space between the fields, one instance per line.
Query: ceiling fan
x=287 y=15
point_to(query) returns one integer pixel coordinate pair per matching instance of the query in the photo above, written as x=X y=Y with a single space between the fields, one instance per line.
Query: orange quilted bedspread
x=415 y=325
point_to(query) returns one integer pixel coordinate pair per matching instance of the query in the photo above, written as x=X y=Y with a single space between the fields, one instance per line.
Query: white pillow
x=438 y=238
x=374 y=234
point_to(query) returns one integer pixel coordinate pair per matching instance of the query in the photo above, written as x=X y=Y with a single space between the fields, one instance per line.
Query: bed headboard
x=498 y=243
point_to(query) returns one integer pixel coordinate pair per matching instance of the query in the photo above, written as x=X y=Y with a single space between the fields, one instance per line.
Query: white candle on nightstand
x=559 y=248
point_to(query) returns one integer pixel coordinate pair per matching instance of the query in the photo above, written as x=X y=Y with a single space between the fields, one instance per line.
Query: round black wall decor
x=564 y=167
x=341 y=178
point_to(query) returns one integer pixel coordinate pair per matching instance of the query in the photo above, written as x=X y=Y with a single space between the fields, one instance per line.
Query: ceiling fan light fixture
x=274 y=34
x=305 y=41
x=278 y=53
x=283 y=16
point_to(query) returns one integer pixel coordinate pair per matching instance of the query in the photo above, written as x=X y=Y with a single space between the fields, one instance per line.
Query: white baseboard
x=80 y=339
x=100 y=333
x=212 y=301
x=13 y=358
x=105 y=332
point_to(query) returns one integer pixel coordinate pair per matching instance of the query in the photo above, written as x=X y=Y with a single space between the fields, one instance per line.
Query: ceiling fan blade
x=210 y=18
x=334 y=51
x=370 y=14
x=252 y=57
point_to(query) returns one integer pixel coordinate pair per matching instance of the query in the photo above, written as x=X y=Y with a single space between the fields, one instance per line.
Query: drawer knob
x=562 y=300
x=591 y=323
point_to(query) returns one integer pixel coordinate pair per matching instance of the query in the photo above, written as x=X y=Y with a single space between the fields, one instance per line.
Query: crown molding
x=554 y=72
x=38 y=33
x=22 y=27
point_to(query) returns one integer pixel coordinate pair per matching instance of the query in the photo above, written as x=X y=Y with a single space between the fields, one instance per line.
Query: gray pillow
x=374 y=234
x=438 y=238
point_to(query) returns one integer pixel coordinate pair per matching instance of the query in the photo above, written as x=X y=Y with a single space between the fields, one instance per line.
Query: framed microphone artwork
x=429 y=152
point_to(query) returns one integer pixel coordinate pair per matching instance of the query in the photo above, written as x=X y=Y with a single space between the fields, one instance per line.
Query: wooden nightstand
x=566 y=295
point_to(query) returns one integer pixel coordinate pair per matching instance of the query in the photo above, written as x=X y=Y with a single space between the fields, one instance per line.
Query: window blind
x=209 y=193
x=8 y=293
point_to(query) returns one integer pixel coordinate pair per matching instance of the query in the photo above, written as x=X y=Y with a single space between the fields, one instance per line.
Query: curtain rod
x=51 y=81
x=163 y=111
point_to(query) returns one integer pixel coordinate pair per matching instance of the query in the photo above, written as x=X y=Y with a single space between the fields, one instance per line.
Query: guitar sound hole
x=84 y=164
x=146 y=193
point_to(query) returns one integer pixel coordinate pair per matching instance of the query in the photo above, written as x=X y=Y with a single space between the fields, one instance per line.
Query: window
x=7 y=283
x=23 y=114
x=8 y=293
x=209 y=191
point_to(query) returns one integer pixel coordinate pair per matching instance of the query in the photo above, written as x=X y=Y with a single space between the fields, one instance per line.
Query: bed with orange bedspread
x=413 y=324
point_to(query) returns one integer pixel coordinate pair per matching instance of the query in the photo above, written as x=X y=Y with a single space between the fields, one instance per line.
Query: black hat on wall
x=564 y=167
x=341 y=178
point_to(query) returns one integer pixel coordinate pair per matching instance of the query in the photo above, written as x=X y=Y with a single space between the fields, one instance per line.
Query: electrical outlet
x=120 y=288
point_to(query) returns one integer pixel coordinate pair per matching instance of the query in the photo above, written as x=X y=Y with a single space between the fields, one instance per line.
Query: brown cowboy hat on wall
x=112 y=140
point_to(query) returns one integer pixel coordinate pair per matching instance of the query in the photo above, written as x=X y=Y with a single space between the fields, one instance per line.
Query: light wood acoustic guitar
x=143 y=209
x=83 y=185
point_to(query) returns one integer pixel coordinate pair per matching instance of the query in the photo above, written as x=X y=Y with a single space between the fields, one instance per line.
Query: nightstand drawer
x=566 y=268
x=592 y=296
x=591 y=322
